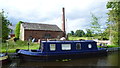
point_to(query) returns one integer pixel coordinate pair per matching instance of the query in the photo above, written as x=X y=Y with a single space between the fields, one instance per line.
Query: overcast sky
x=50 y=11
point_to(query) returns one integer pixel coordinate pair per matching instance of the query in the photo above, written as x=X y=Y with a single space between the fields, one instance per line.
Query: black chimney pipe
x=63 y=24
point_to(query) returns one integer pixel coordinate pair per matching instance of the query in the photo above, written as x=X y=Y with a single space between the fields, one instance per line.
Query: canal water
x=112 y=59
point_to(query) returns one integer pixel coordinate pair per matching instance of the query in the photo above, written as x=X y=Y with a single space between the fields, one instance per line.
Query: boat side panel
x=64 y=56
x=84 y=46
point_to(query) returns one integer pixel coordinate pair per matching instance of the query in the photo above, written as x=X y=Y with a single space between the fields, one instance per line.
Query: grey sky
x=50 y=11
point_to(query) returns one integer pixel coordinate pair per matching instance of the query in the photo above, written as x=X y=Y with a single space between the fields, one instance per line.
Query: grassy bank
x=108 y=46
x=111 y=46
x=78 y=38
x=89 y=38
x=11 y=46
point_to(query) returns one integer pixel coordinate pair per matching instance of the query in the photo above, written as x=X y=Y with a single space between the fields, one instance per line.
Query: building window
x=66 y=46
x=78 y=46
x=89 y=46
x=52 y=47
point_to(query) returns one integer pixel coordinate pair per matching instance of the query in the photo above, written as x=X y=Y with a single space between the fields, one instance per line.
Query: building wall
x=21 y=32
x=39 y=34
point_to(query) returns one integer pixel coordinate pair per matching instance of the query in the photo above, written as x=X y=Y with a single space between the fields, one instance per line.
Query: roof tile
x=39 y=26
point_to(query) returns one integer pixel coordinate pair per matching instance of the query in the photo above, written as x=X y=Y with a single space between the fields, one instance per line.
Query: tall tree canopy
x=89 y=33
x=79 y=33
x=95 y=26
x=17 y=29
x=114 y=21
x=72 y=33
x=5 y=23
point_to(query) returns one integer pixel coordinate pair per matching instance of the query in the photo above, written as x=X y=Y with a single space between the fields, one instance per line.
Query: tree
x=68 y=34
x=5 y=23
x=72 y=33
x=105 y=34
x=95 y=26
x=17 y=29
x=79 y=33
x=114 y=21
x=89 y=33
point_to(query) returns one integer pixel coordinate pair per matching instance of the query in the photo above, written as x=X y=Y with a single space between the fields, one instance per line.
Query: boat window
x=66 y=46
x=89 y=46
x=52 y=47
x=78 y=46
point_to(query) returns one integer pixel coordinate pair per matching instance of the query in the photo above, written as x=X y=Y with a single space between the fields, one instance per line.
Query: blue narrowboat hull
x=38 y=56
x=56 y=50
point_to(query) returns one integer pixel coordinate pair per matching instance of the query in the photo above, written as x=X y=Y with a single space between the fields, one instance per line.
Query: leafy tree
x=69 y=34
x=95 y=26
x=79 y=33
x=105 y=34
x=5 y=23
x=17 y=29
x=89 y=33
x=114 y=21
x=72 y=32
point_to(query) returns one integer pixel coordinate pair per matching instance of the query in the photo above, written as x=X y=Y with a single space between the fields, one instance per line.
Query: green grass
x=78 y=38
x=12 y=46
x=89 y=38
x=110 y=46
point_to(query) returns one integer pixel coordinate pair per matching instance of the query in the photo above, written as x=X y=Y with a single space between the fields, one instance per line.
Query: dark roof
x=39 y=26
x=76 y=41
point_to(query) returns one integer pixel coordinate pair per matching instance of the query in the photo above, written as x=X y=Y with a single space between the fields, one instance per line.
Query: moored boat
x=4 y=58
x=52 y=50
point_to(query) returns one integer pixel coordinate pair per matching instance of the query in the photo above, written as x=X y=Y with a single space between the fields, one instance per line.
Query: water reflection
x=110 y=60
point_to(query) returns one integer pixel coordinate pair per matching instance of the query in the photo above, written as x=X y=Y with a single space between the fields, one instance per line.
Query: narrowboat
x=52 y=50
x=4 y=58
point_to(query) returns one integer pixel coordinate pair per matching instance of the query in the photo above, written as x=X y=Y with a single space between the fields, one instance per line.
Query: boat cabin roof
x=68 y=41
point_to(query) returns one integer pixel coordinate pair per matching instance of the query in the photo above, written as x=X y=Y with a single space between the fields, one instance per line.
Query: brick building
x=39 y=31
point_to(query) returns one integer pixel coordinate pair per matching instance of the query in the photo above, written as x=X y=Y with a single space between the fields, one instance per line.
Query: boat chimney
x=63 y=24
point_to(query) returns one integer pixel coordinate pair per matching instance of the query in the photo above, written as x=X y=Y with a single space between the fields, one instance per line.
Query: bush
x=15 y=39
x=21 y=43
x=17 y=29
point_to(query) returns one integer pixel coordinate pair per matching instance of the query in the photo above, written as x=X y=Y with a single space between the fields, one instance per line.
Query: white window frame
x=52 y=47
x=66 y=46
x=89 y=46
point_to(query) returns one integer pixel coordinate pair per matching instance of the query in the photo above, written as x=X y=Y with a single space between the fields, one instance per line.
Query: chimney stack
x=63 y=24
